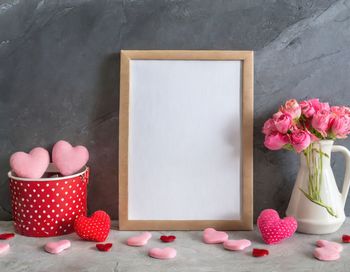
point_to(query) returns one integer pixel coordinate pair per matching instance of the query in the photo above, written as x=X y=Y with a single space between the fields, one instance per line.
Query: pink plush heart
x=57 y=247
x=327 y=251
x=212 y=236
x=139 y=240
x=32 y=165
x=273 y=229
x=326 y=254
x=68 y=159
x=4 y=247
x=162 y=253
x=237 y=244
x=334 y=245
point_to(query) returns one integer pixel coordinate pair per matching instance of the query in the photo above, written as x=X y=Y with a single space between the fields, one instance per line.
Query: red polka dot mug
x=48 y=206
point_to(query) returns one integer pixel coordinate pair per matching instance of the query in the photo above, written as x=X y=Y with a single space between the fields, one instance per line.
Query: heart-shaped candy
x=6 y=236
x=139 y=240
x=94 y=228
x=237 y=244
x=68 y=159
x=346 y=238
x=273 y=229
x=104 y=247
x=57 y=247
x=260 y=252
x=334 y=245
x=32 y=165
x=326 y=254
x=167 y=239
x=212 y=236
x=327 y=250
x=4 y=247
x=162 y=253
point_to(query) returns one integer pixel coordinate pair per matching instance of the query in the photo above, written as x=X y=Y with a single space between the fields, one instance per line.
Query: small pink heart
x=57 y=247
x=68 y=159
x=237 y=244
x=162 y=253
x=212 y=236
x=273 y=229
x=32 y=165
x=139 y=240
x=326 y=254
x=4 y=247
x=334 y=245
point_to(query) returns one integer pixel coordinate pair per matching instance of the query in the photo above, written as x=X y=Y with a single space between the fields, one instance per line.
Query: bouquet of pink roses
x=297 y=125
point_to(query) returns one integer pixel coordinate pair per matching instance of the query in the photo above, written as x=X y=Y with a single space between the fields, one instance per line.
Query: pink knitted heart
x=68 y=159
x=32 y=165
x=273 y=229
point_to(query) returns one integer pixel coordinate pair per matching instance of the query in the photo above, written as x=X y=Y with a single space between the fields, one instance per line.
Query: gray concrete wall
x=59 y=73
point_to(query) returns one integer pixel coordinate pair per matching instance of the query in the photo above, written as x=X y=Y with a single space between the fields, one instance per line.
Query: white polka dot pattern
x=48 y=208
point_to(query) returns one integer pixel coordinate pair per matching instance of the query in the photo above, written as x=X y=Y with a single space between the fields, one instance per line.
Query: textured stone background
x=59 y=73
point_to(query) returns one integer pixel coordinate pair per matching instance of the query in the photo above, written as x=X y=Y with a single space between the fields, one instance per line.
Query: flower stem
x=315 y=166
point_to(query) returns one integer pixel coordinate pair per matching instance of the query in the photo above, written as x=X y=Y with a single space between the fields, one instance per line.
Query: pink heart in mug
x=57 y=247
x=162 y=253
x=273 y=229
x=32 y=165
x=212 y=236
x=69 y=159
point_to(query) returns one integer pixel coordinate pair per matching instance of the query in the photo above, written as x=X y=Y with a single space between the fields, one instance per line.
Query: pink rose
x=283 y=122
x=292 y=108
x=300 y=139
x=307 y=109
x=321 y=121
x=275 y=141
x=341 y=126
x=269 y=127
x=340 y=110
x=317 y=105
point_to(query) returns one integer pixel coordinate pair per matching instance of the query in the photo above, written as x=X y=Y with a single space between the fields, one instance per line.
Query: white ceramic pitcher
x=319 y=206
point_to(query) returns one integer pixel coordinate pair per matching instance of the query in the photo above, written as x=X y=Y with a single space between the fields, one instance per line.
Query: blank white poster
x=185 y=140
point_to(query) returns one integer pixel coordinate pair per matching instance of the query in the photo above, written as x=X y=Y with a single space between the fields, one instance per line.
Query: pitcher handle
x=346 y=183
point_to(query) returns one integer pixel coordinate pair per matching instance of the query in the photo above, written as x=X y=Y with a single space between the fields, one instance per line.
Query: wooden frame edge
x=247 y=58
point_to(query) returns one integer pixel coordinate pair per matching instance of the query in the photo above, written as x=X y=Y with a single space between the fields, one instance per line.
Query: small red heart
x=167 y=239
x=104 y=247
x=94 y=228
x=6 y=236
x=346 y=238
x=257 y=252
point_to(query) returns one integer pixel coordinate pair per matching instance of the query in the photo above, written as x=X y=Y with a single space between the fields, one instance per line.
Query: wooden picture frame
x=130 y=60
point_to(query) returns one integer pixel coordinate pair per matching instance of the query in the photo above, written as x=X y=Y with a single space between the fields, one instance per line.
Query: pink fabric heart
x=237 y=244
x=273 y=229
x=57 y=247
x=4 y=247
x=32 y=165
x=139 y=240
x=326 y=254
x=68 y=159
x=162 y=253
x=324 y=243
x=327 y=251
x=212 y=236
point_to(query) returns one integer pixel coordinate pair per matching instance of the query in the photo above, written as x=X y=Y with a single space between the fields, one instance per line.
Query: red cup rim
x=51 y=168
